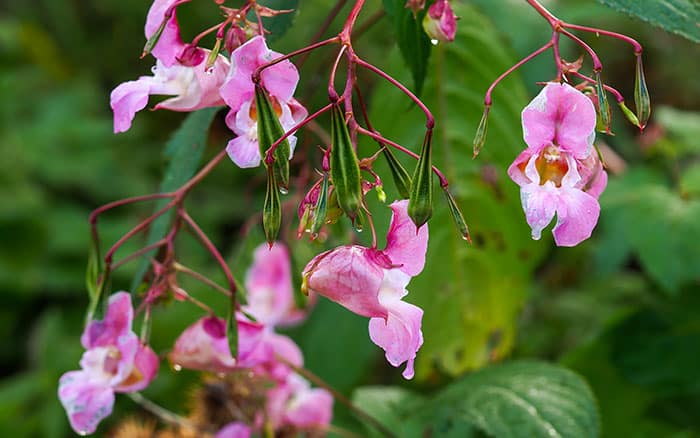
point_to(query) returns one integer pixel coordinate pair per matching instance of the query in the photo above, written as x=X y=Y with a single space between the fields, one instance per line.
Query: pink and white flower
x=169 y=43
x=238 y=91
x=440 y=22
x=115 y=361
x=560 y=172
x=294 y=403
x=372 y=283
x=192 y=88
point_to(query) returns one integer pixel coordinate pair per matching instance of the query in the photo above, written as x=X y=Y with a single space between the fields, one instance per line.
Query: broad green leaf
x=413 y=42
x=471 y=294
x=386 y=404
x=677 y=16
x=185 y=150
x=517 y=399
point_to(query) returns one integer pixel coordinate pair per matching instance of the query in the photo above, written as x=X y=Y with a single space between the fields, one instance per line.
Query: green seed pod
x=460 y=223
x=272 y=210
x=420 y=203
x=269 y=131
x=232 y=328
x=480 y=137
x=345 y=168
x=629 y=114
x=153 y=40
x=321 y=208
x=402 y=180
x=641 y=95
x=603 y=106
x=211 y=58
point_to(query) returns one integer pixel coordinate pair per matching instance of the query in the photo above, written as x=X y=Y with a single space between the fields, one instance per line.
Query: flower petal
x=539 y=203
x=116 y=323
x=86 y=402
x=170 y=43
x=577 y=215
x=234 y=430
x=269 y=285
x=197 y=88
x=244 y=152
x=143 y=372
x=405 y=245
x=128 y=99
x=309 y=408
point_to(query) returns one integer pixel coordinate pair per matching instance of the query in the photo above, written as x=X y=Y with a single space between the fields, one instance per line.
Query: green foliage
x=677 y=16
x=412 y=40
x=471 y=300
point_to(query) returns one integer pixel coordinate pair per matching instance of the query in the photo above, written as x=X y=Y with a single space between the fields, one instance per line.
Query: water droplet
x=358 y=228
x=209 y=71
x=434 y=42
x=283 y=190
x=177 y=367
x=83 y=432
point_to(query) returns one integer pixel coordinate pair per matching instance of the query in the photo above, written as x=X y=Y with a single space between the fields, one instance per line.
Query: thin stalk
x=196 y=275
x=629 y=40
x=618 y=96
x=163 y=414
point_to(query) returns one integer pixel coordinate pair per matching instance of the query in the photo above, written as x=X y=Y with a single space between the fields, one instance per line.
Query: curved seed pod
x=272 y=210
x=641 y=95
x=269 y=131
x=603 y=106
x=345 y=168
x=480 y=137
x=402 y=180
x=420 y=203
x=460 y=223
x=629 y=114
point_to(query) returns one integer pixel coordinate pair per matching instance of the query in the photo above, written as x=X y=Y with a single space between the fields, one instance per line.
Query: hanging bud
x=235 y=37
x=269 y=131
x=641 y=95
x=345 y=168
x=603 y=106
x=629 y=114
x=460 y=223
x=480 y=137
x=191 y=56
x=440 y=22
x=232 y=325
x=321 y=208
x=211 y=59
x=272 y=210
x=402 y=180
x=420 y=204
x=153 y=39
x=145 y=332
x=381 y=196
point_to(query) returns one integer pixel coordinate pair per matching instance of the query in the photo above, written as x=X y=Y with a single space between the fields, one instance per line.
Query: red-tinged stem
x=212 y=250
x=557 y=54
x=597 y=65
x=332 y=94
x=270 y=153
x=183 y=293
x=430 y=120
x=350 y=22
x=138 y=253
x=378 y=137
x=256 y=74
x=543 y=12
x=324 y=27
x=99 y=210
x=618 y=96
x=487 y=97
x=196 y=275
x=371 y=227
x=631 y=41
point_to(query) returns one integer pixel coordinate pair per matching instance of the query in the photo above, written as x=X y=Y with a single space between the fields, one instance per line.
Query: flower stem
x=163 y=414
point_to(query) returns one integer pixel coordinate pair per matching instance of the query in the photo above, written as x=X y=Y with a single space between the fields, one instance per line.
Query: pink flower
x=440 y=22
x=560 y=172
x=295 y=403
x=115 y=361
x=192 y=88
x=238 y=91
x=371 y=282
x=204 y=346
x=170 y=43
x=234 y=430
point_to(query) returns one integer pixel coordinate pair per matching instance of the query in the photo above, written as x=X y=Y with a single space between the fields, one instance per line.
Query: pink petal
x=514 y=170
x=199 y=89
x=266 y=358
x=117 y=323
x=598 y=183
x=234 y=430
x=348 y=276
x=404 y=245
x=269 y=285
x=244 y=152
x=86 y=402
x=577 y=215
x=128 y=99
x=399 y=334
x=310 y=408
x=539 y=203
x=170 y=43
x=144 y=370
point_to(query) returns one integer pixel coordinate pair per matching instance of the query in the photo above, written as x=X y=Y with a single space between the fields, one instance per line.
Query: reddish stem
x=618 y=96
x=270 y=153
x=597 y=65
x=631 y=41
x=256 y=74
x=99 y=210
x=324 y=27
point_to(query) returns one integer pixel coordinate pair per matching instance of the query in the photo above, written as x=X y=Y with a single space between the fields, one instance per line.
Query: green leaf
x=413 y=42
x=518 y=399
x=386 y=404
x=471 y=295
x=185 y=150
x=677 y=16
x=280 y=24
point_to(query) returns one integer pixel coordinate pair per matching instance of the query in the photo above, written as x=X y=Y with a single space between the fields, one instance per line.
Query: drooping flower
x=294 y=403
x=192 y=88
x=238 y=91
x=169 y=43
x=560 y=171
x=204 y=346
x=115 y=360
x=440 y=22
x=372 y=283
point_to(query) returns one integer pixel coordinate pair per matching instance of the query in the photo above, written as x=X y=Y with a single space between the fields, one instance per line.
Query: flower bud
x=321 y=207
x=603 y=106
x=269 y=131
x=420 y=204
x=235 y=37
x=440 y=22
x=460 y=223
x=480 y=137
x=272 y=210
x=381 y=196
x=641 y=95
x=402 y=180
x=191 y=56
x=345 y=168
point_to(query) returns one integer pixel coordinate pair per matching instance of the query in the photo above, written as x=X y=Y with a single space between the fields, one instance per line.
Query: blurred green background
x=622 y=309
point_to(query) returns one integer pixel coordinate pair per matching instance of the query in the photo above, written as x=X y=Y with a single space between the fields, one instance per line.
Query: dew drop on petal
x=177 y=367
x=434 y=42
x=83 y=432
x=283 y=191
